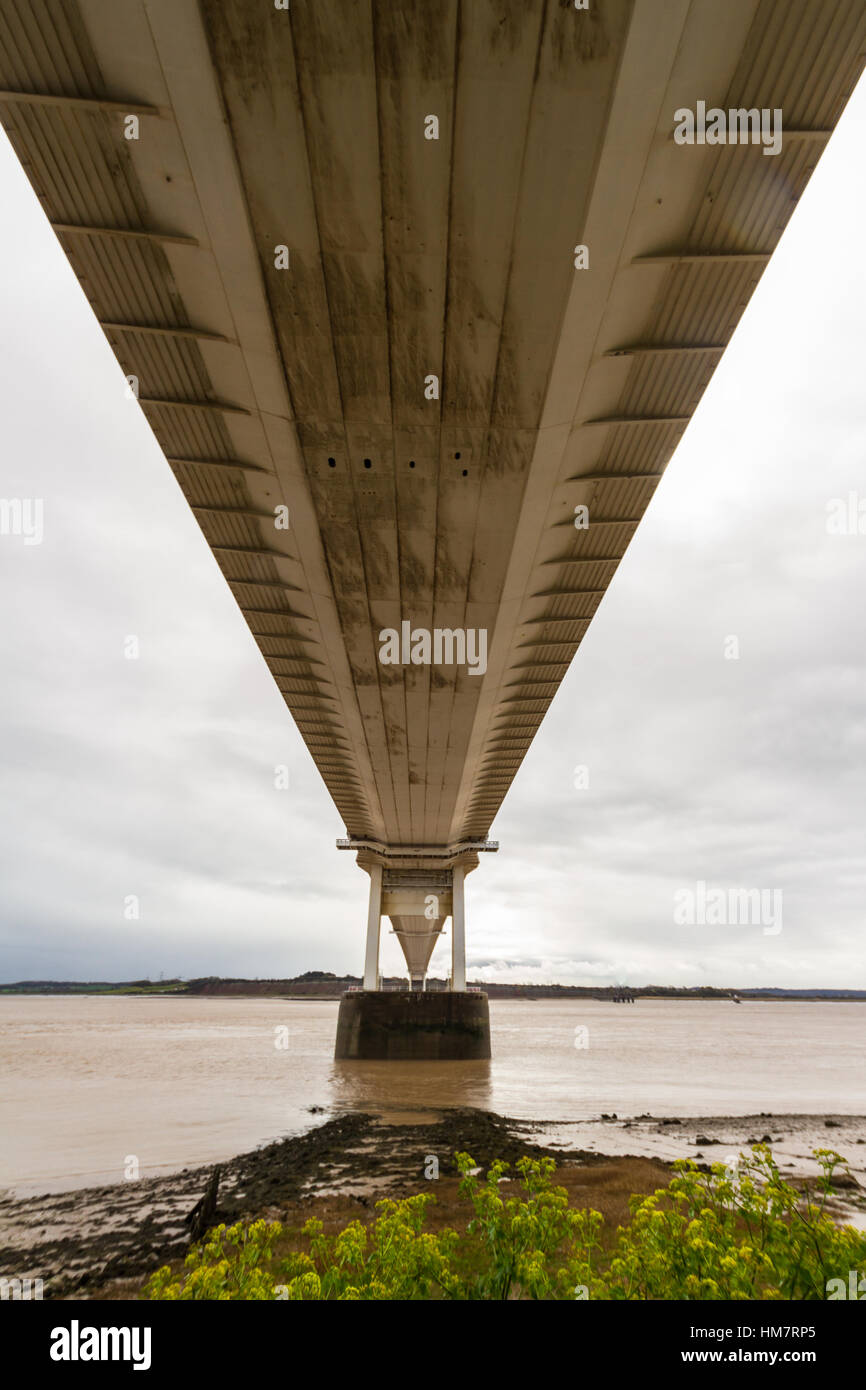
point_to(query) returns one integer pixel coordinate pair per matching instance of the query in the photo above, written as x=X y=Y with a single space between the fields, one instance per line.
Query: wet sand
x=102 y=1241
x=793 y=1138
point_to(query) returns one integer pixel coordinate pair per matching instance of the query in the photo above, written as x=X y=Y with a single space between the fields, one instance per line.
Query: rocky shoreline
x=80 y=1242
x=75 y=1241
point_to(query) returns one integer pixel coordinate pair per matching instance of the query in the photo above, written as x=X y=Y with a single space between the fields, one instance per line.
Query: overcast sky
x=155 y=777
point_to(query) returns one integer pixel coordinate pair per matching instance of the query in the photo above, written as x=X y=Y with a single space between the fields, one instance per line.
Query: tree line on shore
x=325 y=984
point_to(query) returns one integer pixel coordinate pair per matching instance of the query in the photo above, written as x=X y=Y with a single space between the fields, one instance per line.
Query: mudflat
x=103 y=1241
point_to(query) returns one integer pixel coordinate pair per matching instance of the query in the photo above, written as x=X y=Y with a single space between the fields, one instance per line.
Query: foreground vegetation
x=741 y=1233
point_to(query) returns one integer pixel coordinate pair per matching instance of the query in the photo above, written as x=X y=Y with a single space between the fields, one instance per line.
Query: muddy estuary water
x=97 y=1089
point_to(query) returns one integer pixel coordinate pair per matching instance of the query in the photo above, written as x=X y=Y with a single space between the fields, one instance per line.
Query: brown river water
x=89 y=1083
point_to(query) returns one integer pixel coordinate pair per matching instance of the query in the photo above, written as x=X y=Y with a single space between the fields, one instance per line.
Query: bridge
x=418 y=298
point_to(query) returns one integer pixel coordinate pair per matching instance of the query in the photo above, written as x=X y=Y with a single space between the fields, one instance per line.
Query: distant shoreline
x=320 y=985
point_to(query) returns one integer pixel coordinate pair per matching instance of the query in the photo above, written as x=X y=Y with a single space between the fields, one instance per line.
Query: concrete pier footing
x=450 y=1025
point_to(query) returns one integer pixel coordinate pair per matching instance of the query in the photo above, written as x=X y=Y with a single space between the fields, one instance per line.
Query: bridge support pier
x=418 y=889
x=409 y=1025
x=458 y=930
x=374 y=922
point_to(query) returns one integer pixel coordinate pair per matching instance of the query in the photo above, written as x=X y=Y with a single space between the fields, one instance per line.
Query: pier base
x=408 y=1025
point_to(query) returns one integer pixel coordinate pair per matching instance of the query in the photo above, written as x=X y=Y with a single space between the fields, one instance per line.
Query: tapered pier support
x=418 y=888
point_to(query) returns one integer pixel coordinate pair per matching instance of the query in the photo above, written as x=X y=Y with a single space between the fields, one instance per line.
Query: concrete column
x=458 y=932
x=374 y=917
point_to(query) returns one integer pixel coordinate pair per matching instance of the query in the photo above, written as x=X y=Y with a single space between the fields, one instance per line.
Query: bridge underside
x=418 y=298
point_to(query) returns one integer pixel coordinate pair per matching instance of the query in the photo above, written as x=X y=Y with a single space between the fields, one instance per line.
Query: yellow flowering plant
x=729 y=1233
